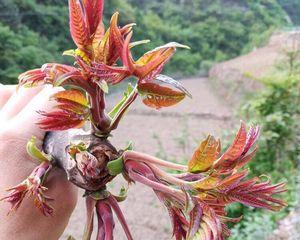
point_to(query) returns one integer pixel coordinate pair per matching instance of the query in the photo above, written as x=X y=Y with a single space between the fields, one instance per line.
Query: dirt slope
x=234 y=78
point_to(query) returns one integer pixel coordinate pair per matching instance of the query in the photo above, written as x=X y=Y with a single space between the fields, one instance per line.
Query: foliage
x=22 y=50
x=103 y=56
x=277 y=109
x=292 y=8
x=196 y=199
x=215 y=30
x=254 y=230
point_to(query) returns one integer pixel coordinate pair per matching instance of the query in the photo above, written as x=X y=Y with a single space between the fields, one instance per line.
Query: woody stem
x=101 y=120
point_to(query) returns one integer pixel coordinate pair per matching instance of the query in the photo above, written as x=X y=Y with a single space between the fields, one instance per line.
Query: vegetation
x=292 y=8
x=277 y=110
x=32 y=31
x=196 y=198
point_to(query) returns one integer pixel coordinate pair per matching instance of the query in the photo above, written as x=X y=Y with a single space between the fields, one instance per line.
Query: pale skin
x=18 y=115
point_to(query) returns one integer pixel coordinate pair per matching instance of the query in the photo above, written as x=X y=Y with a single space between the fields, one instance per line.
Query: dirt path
x=192 y=120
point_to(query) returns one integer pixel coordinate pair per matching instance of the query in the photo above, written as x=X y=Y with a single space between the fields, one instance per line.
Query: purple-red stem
x=40 y=170
x=169 y=178
x=177 y=194
x=101 y=229
x=141 y=157
x=115 y=206
x=98 y=106
x=90 y=206
x=104 y=213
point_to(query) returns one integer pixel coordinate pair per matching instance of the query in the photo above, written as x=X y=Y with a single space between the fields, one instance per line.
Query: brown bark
x=56 y=144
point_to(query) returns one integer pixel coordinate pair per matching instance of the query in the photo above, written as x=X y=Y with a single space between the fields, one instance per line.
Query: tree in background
x=196 y=197
x=215 y=30
x=292 y=7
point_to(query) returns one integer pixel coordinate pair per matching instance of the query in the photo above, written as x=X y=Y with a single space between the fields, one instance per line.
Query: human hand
x=18 y=115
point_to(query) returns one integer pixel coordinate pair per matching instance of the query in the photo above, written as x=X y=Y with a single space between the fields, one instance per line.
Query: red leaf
x=78 y=26
x=179 y=223
x=98 y=36
x=195 y=220
x=116 y=40
x=229 y=159
x=61 y=120
x=209 y=224
x=251 y=138
x=73 y=111
x=52 y=73
x=97 y=29
x=251 y=192
x=88 y=13
x=94 y=13
x=98 y=14
x=73 y=96
x=152 y=63
x=233 y=180
x=126 y=54
x=205 y=155
x=32 y=78
x=245 y=159
x=156 y=96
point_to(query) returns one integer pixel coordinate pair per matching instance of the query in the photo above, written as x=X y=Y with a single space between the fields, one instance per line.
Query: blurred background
x=244 y=63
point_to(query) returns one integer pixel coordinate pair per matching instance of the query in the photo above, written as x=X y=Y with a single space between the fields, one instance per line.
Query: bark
x=57 y=143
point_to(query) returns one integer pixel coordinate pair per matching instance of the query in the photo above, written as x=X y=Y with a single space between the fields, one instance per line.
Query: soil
x=289 y=227
x=239 y=77
x=180 y=129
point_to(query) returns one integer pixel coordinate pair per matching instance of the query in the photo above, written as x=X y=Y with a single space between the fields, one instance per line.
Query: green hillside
x=36 y=31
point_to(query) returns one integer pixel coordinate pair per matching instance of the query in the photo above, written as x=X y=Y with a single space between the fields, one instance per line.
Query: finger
x=18 y=101
x=29 y=115
x=20 y=223
x=5 y=93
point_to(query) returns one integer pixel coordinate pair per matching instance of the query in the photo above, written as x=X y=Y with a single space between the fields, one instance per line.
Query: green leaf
x=35 y=153
x=116 y=167
x=70 y=52
x=122 y=194
x=120 y=104
x=129 y=147
x=100 y=195
x=137 y=43
x=103 y=85
x=71 y=238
